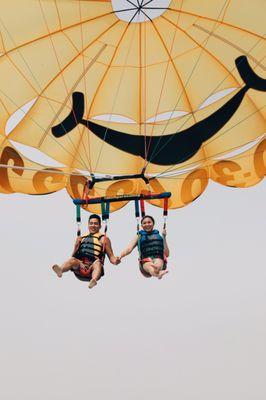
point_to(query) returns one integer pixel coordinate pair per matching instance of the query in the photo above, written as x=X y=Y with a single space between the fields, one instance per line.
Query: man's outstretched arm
x=109 y=251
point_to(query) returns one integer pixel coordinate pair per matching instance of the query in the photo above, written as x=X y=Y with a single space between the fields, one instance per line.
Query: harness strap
x=137 y=214
x=149 y=259
x=78 y=219
x=105 y=209
x=142 y=207
x=165 y=211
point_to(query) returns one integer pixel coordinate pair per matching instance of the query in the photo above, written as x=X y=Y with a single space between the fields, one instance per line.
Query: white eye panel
x=114 y=118
x=241 y=149
x=215 y=97
x=18 y=116
x=35 y=155
x=167 y=116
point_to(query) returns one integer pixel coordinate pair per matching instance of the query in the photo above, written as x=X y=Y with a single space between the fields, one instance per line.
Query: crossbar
x=119 y=198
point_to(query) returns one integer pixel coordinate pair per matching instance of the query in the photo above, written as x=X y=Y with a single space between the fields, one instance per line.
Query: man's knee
x=74 y=261
x=97 y=266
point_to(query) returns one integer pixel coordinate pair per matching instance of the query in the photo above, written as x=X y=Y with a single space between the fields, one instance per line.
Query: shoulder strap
x=85 y=235
x=139 y=237
x=142 y=233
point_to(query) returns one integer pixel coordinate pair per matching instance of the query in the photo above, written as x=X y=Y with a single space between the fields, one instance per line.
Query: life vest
x=151 y=245
x=90 y=247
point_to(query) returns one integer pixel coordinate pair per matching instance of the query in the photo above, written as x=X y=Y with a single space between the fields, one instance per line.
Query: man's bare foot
x=92 y=283
x=57 y=270
x=162 y=273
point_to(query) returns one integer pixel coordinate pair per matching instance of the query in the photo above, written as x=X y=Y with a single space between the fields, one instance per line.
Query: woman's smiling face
x=147 y=224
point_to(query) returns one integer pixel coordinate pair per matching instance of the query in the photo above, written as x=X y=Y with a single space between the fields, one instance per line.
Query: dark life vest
x=90 y=247
x=151 y=245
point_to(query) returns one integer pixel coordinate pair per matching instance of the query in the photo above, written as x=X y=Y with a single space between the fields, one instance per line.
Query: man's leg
x=96 y=273
x=66 y=266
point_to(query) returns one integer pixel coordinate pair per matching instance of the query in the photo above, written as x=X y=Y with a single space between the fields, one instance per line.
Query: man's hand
x=115 y=260
x=118 y=260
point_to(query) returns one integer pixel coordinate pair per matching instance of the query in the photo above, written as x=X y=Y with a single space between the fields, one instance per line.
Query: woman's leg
x=158 y=265
x=155 y=268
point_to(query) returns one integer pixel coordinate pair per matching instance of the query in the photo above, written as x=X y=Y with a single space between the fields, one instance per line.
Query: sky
x=198 y=334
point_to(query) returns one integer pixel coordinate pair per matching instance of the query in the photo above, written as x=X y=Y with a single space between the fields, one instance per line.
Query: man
x=88 y=256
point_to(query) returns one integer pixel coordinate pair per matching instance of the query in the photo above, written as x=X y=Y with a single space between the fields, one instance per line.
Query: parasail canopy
x=139 y=95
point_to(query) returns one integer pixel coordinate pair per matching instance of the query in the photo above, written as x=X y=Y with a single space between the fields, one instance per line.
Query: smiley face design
x=177 y=147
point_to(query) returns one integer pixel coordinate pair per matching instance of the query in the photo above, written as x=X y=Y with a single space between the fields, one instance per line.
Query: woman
x=153 y=249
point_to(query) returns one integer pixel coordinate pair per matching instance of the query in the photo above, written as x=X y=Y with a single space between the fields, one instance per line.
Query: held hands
x=115 y=260
x=118 y=260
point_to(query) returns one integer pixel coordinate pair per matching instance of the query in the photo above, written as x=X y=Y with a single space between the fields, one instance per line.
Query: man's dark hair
x=148 y=216
x=95 y=216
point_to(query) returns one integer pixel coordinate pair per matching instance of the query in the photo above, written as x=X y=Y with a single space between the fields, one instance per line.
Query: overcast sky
x=199 y=334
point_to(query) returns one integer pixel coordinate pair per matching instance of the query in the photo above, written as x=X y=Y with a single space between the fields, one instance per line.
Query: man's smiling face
x=94 y=225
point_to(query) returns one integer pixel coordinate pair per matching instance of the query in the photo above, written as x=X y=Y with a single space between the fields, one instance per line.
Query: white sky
x=199 y=334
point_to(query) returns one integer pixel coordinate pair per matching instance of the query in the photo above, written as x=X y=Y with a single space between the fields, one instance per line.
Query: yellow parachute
x=135 y=95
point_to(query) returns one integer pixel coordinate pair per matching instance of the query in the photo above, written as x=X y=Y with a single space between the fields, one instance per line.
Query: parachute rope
x=229 y=73
x=155 y=153
x=218 y=135
x=117 y=91
x=57 y=171
x=39 y=94
x=184 y=86
x=221 y=22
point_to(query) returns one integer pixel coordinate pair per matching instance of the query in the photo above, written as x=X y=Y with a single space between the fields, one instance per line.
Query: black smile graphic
x=176 y=147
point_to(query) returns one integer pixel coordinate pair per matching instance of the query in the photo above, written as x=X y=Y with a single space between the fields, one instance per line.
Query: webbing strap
x=137 y=214
x=78 y=219
x=165 y=207
x=142 y=207
x=105 y=209
x=165 y=211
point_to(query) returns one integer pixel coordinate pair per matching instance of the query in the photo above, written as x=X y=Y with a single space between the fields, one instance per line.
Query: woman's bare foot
x=162 y=273
x=156 y=269
x=57 y=270
x=92 y=283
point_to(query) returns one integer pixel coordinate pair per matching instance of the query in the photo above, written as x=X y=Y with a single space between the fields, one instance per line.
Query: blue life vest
x=151 y=244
